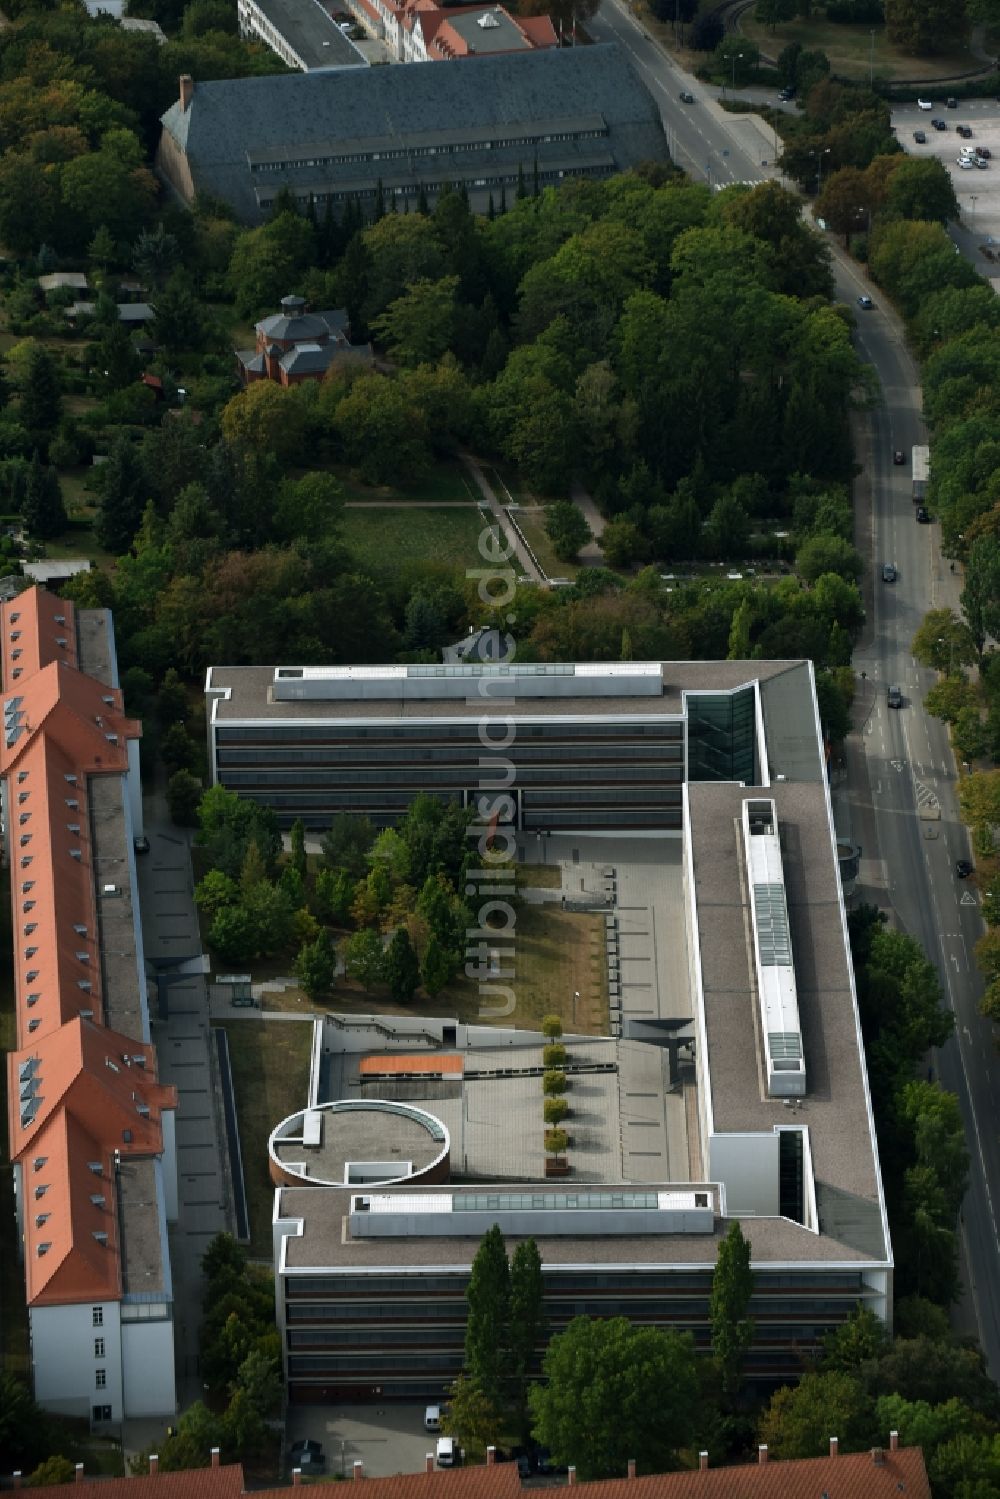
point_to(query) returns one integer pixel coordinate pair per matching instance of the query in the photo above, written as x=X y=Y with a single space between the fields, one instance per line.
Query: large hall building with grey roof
x=349 y=133
x=685 y=805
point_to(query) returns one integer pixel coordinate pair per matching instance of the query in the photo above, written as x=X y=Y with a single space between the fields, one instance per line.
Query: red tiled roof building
x=90 y=1128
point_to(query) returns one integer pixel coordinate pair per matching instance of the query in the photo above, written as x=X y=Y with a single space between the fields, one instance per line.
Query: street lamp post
x=973 y=199
x=871 y=61
x=736 y=57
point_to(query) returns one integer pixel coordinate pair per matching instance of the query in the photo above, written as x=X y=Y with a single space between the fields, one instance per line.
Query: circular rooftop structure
x=359 y=1143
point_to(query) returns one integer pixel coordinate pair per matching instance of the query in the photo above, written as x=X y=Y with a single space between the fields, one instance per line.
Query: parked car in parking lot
x=964 y=132
x=924 y=104
x=967 y=163
x=308 y=1456
x=920 y=136
x=951 y=104
x=981 y=163
x=940 y=124
x=984 y=152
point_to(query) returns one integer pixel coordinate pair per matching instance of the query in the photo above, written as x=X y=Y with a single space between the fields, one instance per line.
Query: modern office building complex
x=91 y=1130
x=592 y=747
x=688 y=804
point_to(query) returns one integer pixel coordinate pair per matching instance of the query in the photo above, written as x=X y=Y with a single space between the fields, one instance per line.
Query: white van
x=446 y=1452
x=432 y=1418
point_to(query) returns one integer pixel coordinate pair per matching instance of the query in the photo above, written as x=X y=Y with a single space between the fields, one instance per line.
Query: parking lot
x=387 y=1439
x=978 y=191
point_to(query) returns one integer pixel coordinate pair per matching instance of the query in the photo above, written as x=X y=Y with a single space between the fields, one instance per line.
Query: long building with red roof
x=90 y=1127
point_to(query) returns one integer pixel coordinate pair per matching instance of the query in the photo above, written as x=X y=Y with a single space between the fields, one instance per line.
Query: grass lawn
x=539 y=876
x=384 y=540
x=270 y=1063
x=849 y=49
x=532 y=523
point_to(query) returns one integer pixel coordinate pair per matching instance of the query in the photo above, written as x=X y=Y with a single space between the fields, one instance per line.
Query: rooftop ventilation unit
x=773 y=961
x=488 y=22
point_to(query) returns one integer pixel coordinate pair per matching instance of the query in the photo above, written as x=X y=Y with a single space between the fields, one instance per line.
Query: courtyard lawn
x=270 y=1063
x=532 y=523
x=447 y=483
x=385 y=539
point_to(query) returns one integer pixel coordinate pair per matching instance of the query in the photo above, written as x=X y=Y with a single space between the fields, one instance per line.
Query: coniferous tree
x=487 y=1328
x=42 y=508
x=732 y=1287
x=123 y=497
x=41 y=396
x=527 y=1324
x=401 y=970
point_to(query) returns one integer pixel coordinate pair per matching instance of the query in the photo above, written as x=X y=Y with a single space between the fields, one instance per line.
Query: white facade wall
x=148 y=1354
x=72 y=1348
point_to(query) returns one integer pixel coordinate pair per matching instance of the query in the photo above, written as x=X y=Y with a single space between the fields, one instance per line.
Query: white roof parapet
x=457 y=680
x=773 y=960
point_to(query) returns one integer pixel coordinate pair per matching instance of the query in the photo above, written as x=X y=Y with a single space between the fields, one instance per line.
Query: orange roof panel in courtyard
x=422 y=1065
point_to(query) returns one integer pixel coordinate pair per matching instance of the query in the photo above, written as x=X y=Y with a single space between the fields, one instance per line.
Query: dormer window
x=25 y=839
x=24 y=817
x=22 y=797
x=42 y=1249
x=33 y=1025
x=29 y=905
x=16 y=655
x=71 y=777
x=98 y=1199
x=26 y=860
x=39 y=1162
x=41 y=1190
x=83 y=984
x=16 y=672
x=33 y=1000
x=22 y=776
x=27 y=885
x=29 y=927
x=74 y=827
x=83 y=957
x=30 y=978
x=95 y=1167
x=72 y=803
x=41 y=1218
x=79 y=929
x=15 y=617
x=29 y=952
x=60 y=619
x=76 y=853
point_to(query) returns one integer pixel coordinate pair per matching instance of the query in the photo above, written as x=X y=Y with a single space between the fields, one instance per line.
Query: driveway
x=387 y=1439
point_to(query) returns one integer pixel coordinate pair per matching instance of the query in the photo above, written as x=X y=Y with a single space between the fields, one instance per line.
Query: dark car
x=686 y=98
x=307 y=1455
x=963 y=868
x=788 y=92
x=889 y=573
x=920 y=136
x=523 y=1465
x=141 y=844
x=939 y=124
x=964 y=131
x=898 y=457
x=984 y=152
x=866 y=302
x=895 y=697
x=951 y=104
x=922 y=516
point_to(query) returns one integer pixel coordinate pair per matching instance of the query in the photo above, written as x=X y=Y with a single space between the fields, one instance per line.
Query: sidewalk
x=592 y=555
x=484 y=487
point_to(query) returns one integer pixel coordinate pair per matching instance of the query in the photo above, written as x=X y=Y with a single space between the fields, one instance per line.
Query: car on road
x=898 y=457
x=922 y=516
x=940 y=124
x=895 y=697
x=308 y=1456
x=865 y=302
x=951 y=104
x=788 y=92
x=141 y=844
x=920 y=136
x=889 y=573
x=686 y=98
x=924 y=104
x=963 y=868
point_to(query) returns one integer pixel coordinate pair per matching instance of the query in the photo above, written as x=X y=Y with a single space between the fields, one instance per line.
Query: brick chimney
x=79 y=1472
x=154 y=1464
x=17 y=1478
x=296 y=1477
x=187 y=90
x=762 y=1453
x=429 y=1463
x=491 y=1456
x=834 y=1446
x=878 y=1457
x=631 y=1467
x=215 y=1457
x=703 y=1461
x=894 y=1441
x=571 y=1473
x=359 y=1469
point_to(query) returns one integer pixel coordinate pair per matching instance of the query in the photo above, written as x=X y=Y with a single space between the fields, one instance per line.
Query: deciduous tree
x=732 y=1287
x=602 y=1381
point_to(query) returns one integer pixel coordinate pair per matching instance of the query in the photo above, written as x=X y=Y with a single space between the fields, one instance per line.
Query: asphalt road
x=911 y=775
x=910 y=769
